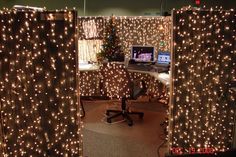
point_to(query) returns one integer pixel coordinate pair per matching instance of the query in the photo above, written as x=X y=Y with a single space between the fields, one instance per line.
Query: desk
x=162 y=77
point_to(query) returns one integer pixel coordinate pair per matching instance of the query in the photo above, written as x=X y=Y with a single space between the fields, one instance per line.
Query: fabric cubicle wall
x=38 y=62
x=203 y=67
x=131 y=30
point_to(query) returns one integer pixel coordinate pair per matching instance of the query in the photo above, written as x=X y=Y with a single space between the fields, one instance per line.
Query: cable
x=163 y=135
x=158 y=148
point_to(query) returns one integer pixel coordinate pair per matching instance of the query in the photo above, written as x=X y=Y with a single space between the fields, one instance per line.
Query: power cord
x=159 y=147
x=163 y=135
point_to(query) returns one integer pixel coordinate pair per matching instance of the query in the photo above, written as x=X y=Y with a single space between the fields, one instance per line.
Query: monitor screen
x=143 y=53
x=163 y=57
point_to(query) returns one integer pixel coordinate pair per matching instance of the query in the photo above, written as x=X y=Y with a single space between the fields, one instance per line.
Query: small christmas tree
x=111 y=49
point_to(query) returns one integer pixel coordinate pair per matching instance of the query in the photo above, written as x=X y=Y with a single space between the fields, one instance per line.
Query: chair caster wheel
x=130 y=123
x=108 y=120
x=141 y=116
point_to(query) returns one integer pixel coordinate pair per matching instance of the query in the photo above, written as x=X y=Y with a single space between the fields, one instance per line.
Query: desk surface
x=140 y=71
x=88 y=67
x=162 y=77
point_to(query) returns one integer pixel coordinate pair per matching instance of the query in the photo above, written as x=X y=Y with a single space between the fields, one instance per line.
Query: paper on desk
x=162 y=77
x=87 y=67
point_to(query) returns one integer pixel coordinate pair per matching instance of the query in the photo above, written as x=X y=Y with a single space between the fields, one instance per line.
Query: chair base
x=125 y=114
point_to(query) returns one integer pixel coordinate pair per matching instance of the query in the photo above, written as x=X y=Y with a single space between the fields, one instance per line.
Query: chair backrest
x=115 y=81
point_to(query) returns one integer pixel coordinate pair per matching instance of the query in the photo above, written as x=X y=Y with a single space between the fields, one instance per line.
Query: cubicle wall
x=131 y=30
x=203 y=67
x=38 y=98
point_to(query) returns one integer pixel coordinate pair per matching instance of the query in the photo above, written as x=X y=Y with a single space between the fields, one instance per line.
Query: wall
x=203 y=69
x=117 y=7
x=39 y=103
x=133 y=30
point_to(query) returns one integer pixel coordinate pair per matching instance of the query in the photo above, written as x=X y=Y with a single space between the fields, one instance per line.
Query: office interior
x=118 y=78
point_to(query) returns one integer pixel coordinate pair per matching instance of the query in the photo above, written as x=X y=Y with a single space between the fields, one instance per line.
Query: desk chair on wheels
x=123 y=80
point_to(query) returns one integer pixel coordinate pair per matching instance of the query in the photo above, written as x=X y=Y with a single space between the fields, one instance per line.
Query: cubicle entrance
x=111 y=80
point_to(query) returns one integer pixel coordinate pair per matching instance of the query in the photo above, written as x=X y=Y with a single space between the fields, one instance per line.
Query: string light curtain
x=90 y=40
x=38 y=62
x=154 y=31
x=204 y=57
x=88 y=49
x=90 y=83
x=136 y=30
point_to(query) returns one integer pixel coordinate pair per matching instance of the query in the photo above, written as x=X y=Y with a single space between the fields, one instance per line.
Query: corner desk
x=162 y=77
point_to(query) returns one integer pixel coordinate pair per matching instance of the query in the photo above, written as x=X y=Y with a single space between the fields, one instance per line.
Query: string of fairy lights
x=203 y=63
x=90 y=49
x=115 y=80
x=39 y=105
x=135 y=30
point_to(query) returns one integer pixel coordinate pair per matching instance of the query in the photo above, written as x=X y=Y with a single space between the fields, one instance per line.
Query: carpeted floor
x=119 y=140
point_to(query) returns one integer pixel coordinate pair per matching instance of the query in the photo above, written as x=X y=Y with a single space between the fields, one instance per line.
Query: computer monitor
x=142 y=53
x=163 y=58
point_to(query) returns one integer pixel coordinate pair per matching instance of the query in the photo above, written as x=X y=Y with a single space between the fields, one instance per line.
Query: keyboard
x=148 y=67
x=160 y=69
x=141 y=67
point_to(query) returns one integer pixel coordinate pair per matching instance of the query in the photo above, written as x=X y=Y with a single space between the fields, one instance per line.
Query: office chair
x=125 y=88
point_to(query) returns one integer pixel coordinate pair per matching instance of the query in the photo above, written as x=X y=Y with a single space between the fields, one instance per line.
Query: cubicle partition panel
x=38 y=91
x=203 y=67
x=90 y=83
x=131 y=30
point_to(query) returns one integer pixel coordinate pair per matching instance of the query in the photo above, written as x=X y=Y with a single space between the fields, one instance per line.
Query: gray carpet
x=119 y=140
